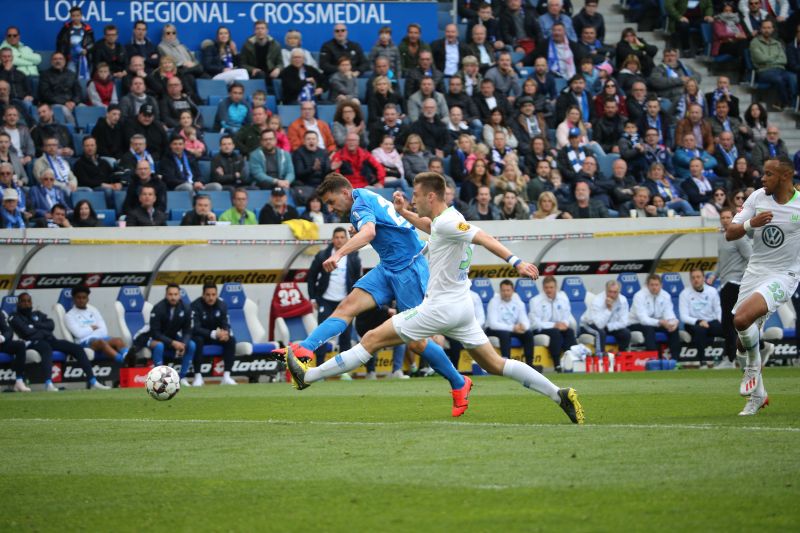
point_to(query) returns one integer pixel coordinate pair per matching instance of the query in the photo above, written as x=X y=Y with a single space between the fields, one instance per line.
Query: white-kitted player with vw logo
x=447 y=307
x=772 y=214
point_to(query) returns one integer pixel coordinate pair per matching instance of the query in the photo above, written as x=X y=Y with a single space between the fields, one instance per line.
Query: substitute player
x=772 y=213
x=401 y=275
x=447 y=307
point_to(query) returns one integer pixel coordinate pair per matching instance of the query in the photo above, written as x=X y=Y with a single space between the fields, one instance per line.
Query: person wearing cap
x=571 y=157
x=588 y=17
x=12 y=217
x=528 y=124
x=86 y=325
x=278 y=209
x=180 y=171
x=269 y=165
x=152 y=130
x=111 y=141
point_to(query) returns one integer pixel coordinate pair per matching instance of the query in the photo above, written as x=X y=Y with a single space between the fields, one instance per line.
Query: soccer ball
x=162 y=383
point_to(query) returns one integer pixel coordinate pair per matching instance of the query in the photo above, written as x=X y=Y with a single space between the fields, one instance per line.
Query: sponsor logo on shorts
x=772 y=236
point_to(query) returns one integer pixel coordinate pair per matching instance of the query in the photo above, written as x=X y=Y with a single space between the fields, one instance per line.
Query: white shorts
x=456 y=321
x=777 y=289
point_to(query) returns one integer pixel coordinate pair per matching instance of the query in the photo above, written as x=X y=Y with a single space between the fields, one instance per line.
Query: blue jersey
x=396 y=240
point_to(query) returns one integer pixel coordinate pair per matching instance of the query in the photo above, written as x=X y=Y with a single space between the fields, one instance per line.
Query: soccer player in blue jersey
x=401 y=275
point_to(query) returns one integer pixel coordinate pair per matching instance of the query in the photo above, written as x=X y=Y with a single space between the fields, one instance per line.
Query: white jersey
x=449 y=256
x=79 y=322
x=776 y=246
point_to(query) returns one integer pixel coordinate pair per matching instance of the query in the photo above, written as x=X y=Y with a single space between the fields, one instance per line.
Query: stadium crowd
x=536 y=114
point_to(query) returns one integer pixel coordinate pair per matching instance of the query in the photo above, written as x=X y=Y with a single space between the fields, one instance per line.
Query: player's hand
x=352 y=231
x=703 y=324
x=761 y=219
x=330 y=263
x=528 y=270
x=399 y=200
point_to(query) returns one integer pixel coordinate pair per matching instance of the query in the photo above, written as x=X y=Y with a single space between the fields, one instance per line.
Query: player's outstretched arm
x=364 y=236
x=737 y=231
x=524 y=268
x=401 y=206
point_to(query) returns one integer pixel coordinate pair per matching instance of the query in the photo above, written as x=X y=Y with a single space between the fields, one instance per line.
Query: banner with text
x=40 y=20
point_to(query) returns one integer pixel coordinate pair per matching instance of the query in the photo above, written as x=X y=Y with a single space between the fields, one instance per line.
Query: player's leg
x=747 y=314
x=188 y=357
x=197 y=361
x=77 y=352
x=728 y=295
x=45 y=351
x=228 y=353
x=17 y=349
x=380 y=337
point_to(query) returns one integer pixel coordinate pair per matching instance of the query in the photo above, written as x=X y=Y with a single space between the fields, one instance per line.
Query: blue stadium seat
x=86 y=117
x=483 y=286
x=362 y=89
x=107 y=217
x=629 y=285
x=215 y=99
x=288 y=114
x=325 y=113
x=561 y=84
x=673 y=284
x=130 y=308
x=272 y=103
x=257 y=199
x=77 y=140
x=526 y=289
x=96 y=198
x=575 y=290
x=443 y=18
x=277 y=89
x=211 y=140
x=9 y=305
x=119 y=201
x=605 y=163
x=208 y=112
x=251 y=86
x=219 y=199
x=206 y=88
x=58 y=114
x=179 y=200
x=243 y=315
x=205 y=169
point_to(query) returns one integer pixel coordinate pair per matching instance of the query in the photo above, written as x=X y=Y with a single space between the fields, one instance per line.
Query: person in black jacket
x=36 y=329
x=228 y=166
x=17 y=349
x=202 y=214
x=277 y=210
x=389 y=124
x=311 y=163
x=93 y=171
x=48 y=128
x=169 y=332
x=140 y=45
x=111 y=141
x=487 y=100
x=212 y=328
x=515 y=15
x=575 y=94
x=440 y=51
x=608 y=130
x=327 y=290
x=432 y=130
x=145 y=212
x=292 y=82
x=77 y=26
x=110 y=52
x=153 y=131
x=341 y=46
x=59 y=86
x=179 y=168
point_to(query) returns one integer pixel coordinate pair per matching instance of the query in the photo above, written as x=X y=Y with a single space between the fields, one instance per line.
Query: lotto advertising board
x=40 y=20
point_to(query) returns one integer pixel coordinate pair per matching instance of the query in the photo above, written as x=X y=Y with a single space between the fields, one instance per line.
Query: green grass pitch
x=660 y=452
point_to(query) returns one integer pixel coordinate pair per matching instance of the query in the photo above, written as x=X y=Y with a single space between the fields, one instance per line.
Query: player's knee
x=417 y=346
x=741 y=322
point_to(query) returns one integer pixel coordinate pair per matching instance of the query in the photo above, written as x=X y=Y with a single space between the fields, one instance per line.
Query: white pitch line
x=453 y=423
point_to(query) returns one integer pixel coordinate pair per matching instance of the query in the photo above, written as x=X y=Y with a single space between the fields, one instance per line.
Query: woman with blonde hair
x=184 y=58
x=691 y=95
x=157 y=80
x=415 y=157
x=382 y=94
x=547 y=208
x=512 y=179
x=294 y=39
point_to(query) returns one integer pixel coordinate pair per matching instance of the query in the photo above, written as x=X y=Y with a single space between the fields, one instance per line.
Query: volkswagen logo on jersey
x=772 y=236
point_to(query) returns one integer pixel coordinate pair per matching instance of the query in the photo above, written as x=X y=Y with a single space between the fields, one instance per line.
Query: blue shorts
x=88 y=342
x=406 y=287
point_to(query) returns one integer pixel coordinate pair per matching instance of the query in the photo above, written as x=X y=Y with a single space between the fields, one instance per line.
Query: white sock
x=749 y=338
x=226 y=374
x=530 y=378
x=198 y=375
x=344 y=362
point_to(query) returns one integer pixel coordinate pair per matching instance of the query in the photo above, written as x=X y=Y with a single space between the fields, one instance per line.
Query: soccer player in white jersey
x=447 y=307
x=772 y=214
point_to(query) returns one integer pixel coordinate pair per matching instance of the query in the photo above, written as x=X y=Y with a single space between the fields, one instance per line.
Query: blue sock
x=398 y=355
x=331 y=327
x=92 y=381
x=158 y=354
x=121 y=355
x=188 y=356
x=439 y=361
x=48 y=382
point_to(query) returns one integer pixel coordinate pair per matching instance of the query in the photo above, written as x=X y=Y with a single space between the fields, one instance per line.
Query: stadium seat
x=629 y=285
x=325 y=113
x=208 y=112
x=211 y=140
x=243 y=315
x=272 y=103
x=673 y=284
x=277 y=89
x=288 y=114
x=526 y=289
x=483 y=286
x=119 y=201
x=133 y=312
x=215 y=99
x=107 y=217
x=8 y=305
x=205 y=169
x=219 y=199
x=251 y=86
x=257 y=199
x=96 y=198
x=179 y=200
x=362 y=89
x=86 y=117
x=206 y=88
x=575 y=290
x=58 y=115
x=605 y=164
x=77 y=140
